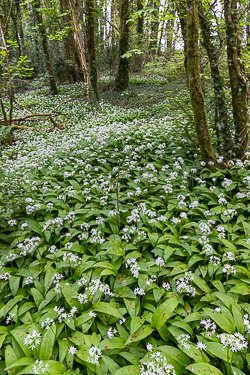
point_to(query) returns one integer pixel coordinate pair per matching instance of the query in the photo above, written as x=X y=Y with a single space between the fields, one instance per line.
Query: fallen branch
x=49 y=115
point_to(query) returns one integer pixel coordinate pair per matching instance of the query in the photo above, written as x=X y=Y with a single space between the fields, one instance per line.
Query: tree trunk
x=181 y=10
x=90 y=21
x=43 y=36
x=238 y=83
x=196 y=94
x=224 y=136
x=122 y=79
x=81 y=48
x=154 y=29
x=137 y=60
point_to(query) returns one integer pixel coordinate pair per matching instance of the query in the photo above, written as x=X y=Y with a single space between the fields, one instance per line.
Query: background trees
x=64 y=41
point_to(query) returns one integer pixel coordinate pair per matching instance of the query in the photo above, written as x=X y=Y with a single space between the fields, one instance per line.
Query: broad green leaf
x=201 y=283
x=114 y=343
x=217 y=350
x=47 y=344
x=25 y=361
x=203 y=368
x=163 y=312
x=34 y=226
x=54 y=368
x=19 y=336
x=111 y=365
x=107 y=308
x=140 y=334
x=128 y=370
x=219 y=319
x=64 y=344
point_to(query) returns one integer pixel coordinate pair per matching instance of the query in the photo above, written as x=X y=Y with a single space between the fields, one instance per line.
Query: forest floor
x=119 y=249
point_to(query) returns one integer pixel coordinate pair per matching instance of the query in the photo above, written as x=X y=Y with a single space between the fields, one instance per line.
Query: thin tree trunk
x=181 y=10
x=154 y=29
x=43 y=35
x=196 y=94
x=137 y=63
x=221 y=119
x=122 y=79
x=80 y=47
x=238 y=83
x=90 y=21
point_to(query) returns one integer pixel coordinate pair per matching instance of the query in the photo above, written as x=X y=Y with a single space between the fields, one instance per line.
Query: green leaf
x=54 y=368
x=163 y=312
x=19 y=336
x=24 y=361
x=107 y=308
x=217 y=350
x=38 y=298
x=114 y=343
x=111 y=365
x=203 y=368
x=128 y=370
x=140 y=334
x=219 y=319
x=34 y=226
x=47 y=344
x=201 y=283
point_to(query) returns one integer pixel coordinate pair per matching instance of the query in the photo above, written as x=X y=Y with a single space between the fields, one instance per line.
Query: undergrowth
x=121 y=253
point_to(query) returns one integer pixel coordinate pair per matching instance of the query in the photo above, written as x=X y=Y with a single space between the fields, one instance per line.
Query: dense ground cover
x=121 y=253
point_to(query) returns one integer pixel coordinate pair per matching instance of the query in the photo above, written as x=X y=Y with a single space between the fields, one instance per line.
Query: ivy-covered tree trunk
x=90 y=21
x=122 y=79
x=43 y=36
x=196 y=94
x=238 y=82
x=224 y=137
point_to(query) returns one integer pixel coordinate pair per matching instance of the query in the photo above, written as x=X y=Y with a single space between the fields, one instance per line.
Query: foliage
x=120 y=250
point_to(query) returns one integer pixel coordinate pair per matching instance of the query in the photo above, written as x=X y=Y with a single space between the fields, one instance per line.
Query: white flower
x=139 y=291
x=28 y=280
x=228 y=269
x=72 y=350
x=92 y=314
x=235 y=342
x=32 y=339
x=209 y=326
x=166 y=286
x=157 y=365
x=41 y=368
x=183 y=339
x=201 y=346
x=111 y=332
x=95 y=353
x=134 y=267
x=123 y=320
x=160 y=262
x=82 y=298
x=149 y=347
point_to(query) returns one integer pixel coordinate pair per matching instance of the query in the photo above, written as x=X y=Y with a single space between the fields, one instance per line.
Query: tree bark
x=196 y=94
x=224 y=137
x=181 y=10
x=81 y=48
x=137 y=60
x=238 y=83
x=154 y=29
x=90 y=21
x=43 y=36
x=122 y=79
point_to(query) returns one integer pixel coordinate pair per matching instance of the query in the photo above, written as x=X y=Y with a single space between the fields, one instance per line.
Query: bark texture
x=224 y=137
x=43 y=36
x=80 y=48
x=90 y=20
x=181 y=10
x=196 y=94
x=238 y=83
x=122 y=79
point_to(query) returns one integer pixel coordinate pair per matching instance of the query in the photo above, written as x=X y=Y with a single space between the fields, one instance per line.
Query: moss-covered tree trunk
x=153 y=45
x=196 y=94
x=238 y=83
x=137 y=60
x=122 y=78
x=90 y=22
x=224 y=137
x=43 y=36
